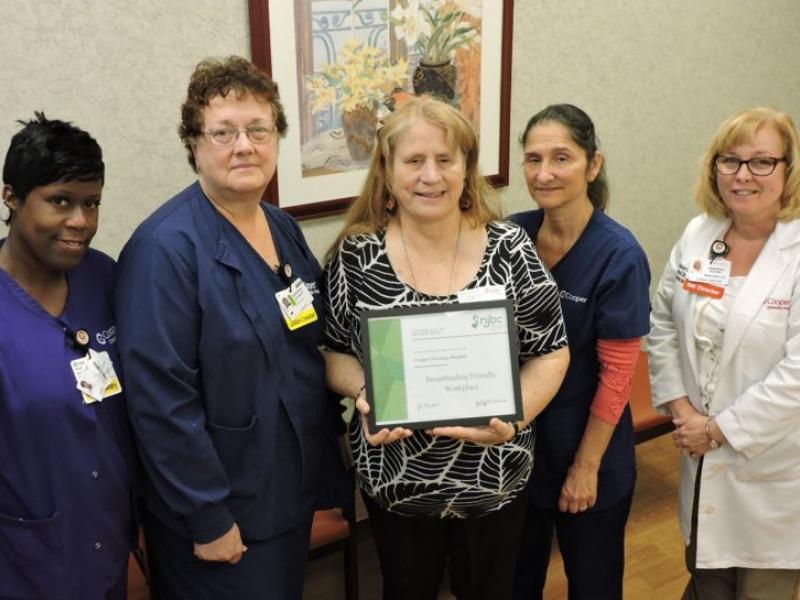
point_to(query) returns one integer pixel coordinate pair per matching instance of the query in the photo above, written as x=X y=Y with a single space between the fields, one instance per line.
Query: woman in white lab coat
x=725 y=362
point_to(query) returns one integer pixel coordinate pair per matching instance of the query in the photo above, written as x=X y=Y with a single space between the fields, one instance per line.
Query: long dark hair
x=581 y=129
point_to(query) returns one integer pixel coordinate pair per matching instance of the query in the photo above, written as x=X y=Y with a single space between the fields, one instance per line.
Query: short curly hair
x=219 y=77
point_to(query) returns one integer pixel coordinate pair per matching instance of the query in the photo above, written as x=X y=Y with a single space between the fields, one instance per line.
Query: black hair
x=581 y=129
x=45 y=151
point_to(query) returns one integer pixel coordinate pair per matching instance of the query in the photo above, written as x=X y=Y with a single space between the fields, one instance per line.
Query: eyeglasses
x=226 y=136
x=760 y=166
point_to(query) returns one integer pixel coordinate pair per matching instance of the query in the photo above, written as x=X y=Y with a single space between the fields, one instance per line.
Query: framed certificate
x=452 y=364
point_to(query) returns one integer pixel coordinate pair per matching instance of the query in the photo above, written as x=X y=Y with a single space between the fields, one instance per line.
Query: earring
x=391 y=205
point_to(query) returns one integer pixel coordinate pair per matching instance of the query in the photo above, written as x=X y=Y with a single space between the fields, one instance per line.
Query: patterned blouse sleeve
x=536 y=301
x=336 y=333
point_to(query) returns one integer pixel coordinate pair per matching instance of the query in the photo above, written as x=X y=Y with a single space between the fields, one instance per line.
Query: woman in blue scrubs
x=66 y=454
x=583 y=476
x=220 y=308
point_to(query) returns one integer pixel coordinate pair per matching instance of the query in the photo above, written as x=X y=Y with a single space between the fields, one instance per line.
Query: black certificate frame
x=411 y=312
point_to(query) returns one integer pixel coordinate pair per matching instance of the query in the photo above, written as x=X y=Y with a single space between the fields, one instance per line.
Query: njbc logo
x=486 y=321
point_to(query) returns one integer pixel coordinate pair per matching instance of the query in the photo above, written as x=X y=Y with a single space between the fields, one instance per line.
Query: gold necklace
x=411 y=267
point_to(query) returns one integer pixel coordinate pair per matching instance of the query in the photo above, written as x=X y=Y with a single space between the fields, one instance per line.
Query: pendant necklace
x=411 y=268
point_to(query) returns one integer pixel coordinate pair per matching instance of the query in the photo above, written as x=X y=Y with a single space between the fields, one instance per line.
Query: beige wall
x=657 y=77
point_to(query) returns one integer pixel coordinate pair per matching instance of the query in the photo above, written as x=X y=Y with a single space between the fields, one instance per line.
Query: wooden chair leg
x=351 y=556
x=351 y=566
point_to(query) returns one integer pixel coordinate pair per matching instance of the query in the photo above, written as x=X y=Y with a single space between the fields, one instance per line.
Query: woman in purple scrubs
x=66 y=456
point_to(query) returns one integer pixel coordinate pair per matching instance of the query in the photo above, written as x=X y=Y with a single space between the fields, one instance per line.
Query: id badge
x=297 y=305
x=716 y=272
x=95 y=377
x=111 y=383
x=482 y=294
x=89 y=381
x=707 y=277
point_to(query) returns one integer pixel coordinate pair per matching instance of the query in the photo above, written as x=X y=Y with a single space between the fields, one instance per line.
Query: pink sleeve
x=617 y=363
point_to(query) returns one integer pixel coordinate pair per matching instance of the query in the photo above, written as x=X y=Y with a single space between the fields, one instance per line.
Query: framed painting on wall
x=341 y=64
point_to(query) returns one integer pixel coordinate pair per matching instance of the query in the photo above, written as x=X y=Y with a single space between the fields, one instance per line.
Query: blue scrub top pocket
x=30 y=557
x=237 y=449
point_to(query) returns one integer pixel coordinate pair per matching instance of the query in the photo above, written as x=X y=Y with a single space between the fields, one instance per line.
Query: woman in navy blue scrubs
x=220 y=308
x=584 y=471
x=66 y=454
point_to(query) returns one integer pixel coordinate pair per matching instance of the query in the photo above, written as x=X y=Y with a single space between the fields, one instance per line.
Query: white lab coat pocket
x=781 y=462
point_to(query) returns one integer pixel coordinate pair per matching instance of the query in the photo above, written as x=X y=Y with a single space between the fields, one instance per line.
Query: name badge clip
x=78 y=339
x=719 y=249
x=285 y=272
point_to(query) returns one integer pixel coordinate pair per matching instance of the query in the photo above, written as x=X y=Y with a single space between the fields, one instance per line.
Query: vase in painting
x=359 y=125
x=438 y=80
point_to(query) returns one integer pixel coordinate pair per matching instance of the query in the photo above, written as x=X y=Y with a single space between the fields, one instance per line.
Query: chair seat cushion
x=328 y=526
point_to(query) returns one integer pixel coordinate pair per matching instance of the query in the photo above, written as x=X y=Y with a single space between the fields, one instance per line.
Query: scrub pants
x=480 y=552
x=592 y=545
x=270 y=569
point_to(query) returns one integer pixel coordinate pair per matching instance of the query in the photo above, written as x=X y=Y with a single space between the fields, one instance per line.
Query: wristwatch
x=712 y=443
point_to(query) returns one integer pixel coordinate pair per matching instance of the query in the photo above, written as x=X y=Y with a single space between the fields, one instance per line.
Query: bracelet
x=515 y=425
x=361 y=389
x=712 y=443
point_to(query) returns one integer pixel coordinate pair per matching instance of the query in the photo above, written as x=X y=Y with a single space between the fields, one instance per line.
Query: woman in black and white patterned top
x=421 y=232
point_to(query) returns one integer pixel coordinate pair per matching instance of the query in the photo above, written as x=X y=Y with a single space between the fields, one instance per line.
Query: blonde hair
x=741 y=128
x=368 y=213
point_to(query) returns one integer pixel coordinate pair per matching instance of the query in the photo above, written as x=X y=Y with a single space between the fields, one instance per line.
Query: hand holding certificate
x=450 y=365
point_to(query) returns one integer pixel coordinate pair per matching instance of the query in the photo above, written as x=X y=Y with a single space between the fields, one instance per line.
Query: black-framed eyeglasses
x=226 y=136
x=760 y=166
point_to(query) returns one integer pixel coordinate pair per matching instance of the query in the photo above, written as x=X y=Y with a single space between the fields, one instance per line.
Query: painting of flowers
x=356 y=83
x=343 y=64
x=403 y=46
x=437 y=29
